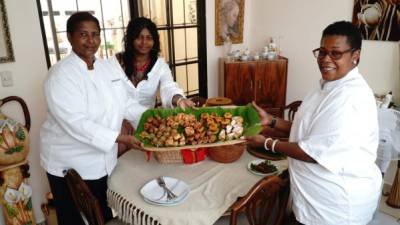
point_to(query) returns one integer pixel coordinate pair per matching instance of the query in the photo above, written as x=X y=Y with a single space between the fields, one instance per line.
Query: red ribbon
x=193 y=156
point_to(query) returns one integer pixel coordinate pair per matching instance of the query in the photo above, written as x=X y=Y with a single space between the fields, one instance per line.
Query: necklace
x=139 y=71
x=143 y=68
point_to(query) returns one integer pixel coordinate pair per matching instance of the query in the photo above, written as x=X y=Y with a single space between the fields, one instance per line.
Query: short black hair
x=345 y=28
x=78 y=17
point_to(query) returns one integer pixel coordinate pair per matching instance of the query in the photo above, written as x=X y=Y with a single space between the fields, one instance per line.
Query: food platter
x=189 y=125
x=279 y=165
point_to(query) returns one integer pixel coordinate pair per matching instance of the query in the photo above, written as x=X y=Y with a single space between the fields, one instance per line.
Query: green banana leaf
x=250 y=116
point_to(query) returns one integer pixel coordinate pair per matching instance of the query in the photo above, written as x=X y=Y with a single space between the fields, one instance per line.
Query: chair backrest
x=292 y=107
x=86 y=203
x=265 y=203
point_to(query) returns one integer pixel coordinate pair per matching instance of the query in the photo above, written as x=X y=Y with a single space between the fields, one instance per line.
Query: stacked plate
x=156 y=195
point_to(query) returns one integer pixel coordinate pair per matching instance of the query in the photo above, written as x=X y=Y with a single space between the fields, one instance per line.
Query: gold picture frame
x=229 y=18
x=6 y=50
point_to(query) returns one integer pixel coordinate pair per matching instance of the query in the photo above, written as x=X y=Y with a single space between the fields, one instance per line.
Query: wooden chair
x=289 y=112
x=292 y=109
x=265 y=203
x=86 y=203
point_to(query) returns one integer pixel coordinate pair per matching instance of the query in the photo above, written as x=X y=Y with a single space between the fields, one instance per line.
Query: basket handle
x=24 y=108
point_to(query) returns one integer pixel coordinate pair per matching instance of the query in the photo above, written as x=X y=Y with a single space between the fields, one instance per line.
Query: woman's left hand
x=184 y=103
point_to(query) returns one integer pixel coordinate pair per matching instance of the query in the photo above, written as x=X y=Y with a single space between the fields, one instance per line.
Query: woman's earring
x=355 y=62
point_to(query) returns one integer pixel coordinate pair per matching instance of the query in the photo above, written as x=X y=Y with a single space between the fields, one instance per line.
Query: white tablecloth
x=214 y=187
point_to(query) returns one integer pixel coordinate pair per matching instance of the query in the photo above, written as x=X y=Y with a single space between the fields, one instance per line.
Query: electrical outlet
x=6 y=78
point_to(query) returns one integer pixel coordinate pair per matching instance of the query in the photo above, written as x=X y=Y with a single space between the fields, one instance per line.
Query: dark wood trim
x=133 y=9
x=202 y=45
x=46 y=47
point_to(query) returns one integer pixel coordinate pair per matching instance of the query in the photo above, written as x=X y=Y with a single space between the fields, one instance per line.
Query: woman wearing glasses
x=333 y=138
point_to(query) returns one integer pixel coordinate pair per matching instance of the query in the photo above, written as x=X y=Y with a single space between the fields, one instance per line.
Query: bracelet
x=273 y=122
x=273 y=145
x=265 y=143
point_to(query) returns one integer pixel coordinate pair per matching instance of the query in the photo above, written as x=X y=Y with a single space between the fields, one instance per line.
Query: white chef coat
x=337 y=126
x=85 y=113
x=146 y=90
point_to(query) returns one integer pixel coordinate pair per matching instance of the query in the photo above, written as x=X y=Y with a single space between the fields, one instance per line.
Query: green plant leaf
x=28 y=205
x=20 y=134
x=13 y=150
x=11 y=211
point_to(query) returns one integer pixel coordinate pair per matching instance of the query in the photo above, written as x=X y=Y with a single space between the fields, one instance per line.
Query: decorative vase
x=14 y=138
x=16 y=195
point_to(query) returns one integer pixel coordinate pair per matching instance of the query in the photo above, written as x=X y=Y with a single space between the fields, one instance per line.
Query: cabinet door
x=239 y=82
x=270 y=83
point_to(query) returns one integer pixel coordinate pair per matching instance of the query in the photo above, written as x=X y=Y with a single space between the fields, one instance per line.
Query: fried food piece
x=189 y=131
x=227 y=115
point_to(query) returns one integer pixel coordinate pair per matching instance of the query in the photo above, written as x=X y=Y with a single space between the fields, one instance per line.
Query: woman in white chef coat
x=87 y=100
x=333 y=138
x=145 y=71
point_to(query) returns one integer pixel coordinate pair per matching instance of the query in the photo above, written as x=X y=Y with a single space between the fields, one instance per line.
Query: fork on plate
x=170 y=194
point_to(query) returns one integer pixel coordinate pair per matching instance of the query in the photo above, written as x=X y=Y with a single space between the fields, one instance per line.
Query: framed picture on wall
x=378 y=19
x=229 y=17
x=6 y=50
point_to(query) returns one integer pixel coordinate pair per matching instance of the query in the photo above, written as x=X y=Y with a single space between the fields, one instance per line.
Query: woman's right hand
x=255 y=141
x=265 y=118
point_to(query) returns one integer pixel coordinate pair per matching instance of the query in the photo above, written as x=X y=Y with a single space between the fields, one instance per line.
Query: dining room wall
x=299 y=25
x=28 y=72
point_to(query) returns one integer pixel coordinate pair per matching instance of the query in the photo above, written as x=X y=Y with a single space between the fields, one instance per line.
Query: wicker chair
x=265 y=203
x=85 y=201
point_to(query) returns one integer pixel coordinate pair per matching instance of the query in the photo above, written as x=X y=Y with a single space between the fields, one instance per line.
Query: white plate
x=152 y=192
x=169 y=203
x=278 y=165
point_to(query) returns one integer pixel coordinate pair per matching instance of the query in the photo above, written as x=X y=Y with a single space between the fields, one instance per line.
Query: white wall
x=28 y=71
x=300 y=23
x=214 y=52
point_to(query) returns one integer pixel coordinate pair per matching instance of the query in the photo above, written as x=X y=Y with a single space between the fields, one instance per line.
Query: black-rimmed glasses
x=335 y=55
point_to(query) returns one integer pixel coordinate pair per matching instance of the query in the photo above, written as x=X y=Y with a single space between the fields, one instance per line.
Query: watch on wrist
x=273 y=122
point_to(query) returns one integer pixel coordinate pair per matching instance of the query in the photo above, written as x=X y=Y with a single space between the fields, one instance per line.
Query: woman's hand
x=184 y=103
x=255 y=141
x=130 y=141
x=265 y=118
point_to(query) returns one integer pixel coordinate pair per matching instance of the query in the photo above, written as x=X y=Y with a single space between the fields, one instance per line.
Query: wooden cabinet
x=263 y=81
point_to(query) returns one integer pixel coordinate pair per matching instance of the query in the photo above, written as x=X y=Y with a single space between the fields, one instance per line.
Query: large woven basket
x=169 y=157
x=226 y=153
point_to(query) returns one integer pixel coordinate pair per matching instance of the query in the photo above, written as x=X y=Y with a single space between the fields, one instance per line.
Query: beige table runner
x=214 y=187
